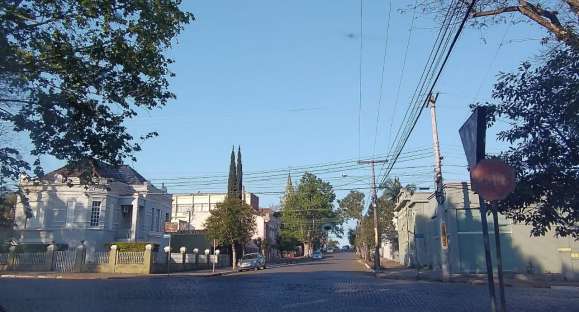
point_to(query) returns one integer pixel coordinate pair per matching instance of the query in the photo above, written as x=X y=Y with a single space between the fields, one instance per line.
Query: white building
x=193 y=208
x=120 y=206
x=267 y=229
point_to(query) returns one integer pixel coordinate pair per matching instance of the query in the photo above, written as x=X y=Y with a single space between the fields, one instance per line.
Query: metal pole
x=213 y=254
x=499 y=261
x=440 y=210
x=489 y=263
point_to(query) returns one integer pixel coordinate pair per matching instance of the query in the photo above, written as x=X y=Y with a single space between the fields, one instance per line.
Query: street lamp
x=167 y=250
x=196 y=252
x=207 y=255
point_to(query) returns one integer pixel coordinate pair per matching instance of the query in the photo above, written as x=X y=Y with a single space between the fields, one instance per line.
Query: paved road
x=334 y=284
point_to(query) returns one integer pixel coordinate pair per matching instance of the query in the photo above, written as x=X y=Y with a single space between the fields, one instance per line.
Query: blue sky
x=280 y=78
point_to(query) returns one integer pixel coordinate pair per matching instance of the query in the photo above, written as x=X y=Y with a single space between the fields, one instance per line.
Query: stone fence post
x=113 y=259
x=148 y=259
x=12 y=258
x=80 y=258
x=49 y=265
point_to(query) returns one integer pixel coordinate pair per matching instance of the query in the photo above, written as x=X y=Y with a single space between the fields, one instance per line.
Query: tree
x=7 y=206
x=239 y=174
x=72 y=72
x=542 y=12
x=231 y=222
x=352 y=205
x=352 y=237
x=306 y=210
x=232 y=179
x=541 y=105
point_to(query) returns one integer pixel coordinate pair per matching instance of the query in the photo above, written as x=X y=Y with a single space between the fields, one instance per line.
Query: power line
x=360 y=73
x=386 y=37
x=404 y=139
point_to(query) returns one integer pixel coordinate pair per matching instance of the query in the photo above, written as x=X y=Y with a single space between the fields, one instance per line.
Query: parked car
x=317 y=255
x=345 y=248
x=330 y=250
x=252 y=261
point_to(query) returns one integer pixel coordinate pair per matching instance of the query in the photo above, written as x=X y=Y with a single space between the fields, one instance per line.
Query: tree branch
x=574 y=4
x=496 y=12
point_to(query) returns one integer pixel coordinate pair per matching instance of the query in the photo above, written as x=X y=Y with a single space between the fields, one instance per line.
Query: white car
x=330 y=250
x=252 y=261
x=317 y=255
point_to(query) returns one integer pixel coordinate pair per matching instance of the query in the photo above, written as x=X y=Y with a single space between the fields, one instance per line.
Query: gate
x=64 y=260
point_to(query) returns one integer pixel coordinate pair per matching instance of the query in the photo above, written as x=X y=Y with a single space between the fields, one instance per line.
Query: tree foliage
x=231 y=222
x=72 y=72
x=352 y=206
x=541 y=104
x=307 y=209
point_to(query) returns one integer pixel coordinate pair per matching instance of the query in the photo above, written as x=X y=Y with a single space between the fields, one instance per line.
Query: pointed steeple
x=239 y=174
x=232 y=179
x=289 y=189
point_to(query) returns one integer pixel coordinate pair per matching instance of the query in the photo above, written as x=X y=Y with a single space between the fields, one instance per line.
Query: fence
x=131 y=257
x=112 y=261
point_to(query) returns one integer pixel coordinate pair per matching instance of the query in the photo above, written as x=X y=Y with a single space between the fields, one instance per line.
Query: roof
x=121 y=173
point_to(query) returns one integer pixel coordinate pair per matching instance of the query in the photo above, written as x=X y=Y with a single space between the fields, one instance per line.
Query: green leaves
x=352 y=205
x=71 y=72
x=541 y=104
x=231 y=222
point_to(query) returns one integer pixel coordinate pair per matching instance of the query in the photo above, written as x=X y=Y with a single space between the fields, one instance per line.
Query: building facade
x=419 y=237
x=121 y=205
x=193 y=208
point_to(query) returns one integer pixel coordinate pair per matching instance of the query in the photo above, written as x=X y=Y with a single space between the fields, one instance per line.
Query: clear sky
x=280 y=78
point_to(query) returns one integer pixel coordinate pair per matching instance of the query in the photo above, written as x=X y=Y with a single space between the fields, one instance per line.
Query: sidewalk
x=93 y=276
x=393 y=270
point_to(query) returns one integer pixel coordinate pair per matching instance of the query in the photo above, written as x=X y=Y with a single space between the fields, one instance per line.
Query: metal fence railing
x=99 y=257
x=64 y=260
x=131 y=257
x=3 y=258
x=30 y=258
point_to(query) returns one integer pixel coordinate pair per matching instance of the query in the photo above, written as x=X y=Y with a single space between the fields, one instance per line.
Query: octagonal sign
x=493 y=179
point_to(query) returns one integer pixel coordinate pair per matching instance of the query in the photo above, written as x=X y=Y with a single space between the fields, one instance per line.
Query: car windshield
x=249 y=257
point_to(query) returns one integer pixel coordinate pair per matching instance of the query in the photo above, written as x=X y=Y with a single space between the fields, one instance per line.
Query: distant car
x=346 y=248
x=252 y=261
x=317 y=255
x=330 y=250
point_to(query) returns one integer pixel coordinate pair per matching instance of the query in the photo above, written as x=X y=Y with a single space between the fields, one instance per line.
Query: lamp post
x=167 y=250
x=216 y=258
x=196 y=252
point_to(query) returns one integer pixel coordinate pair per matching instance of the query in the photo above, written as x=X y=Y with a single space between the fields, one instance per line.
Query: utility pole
x=440 y=209
x=374 y=205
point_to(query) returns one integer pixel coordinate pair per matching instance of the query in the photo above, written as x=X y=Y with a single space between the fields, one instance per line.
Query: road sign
x=171 y=227
x=166 y=235
x=492 y=179
x=472 y=135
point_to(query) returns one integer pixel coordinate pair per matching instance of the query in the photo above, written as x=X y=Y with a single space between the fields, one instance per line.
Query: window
x=158 y=219
x=95 y=212
x=70 y=212
x=152 y=219
x=167 y=217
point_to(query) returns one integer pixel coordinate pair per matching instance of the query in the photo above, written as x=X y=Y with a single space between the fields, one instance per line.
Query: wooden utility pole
x=374 y=206
x=440 y=210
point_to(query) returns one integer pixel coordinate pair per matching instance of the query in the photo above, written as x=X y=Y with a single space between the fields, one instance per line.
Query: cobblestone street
x=337 y=283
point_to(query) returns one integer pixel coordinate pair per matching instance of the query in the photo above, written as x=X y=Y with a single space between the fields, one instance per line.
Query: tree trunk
x=234 y=254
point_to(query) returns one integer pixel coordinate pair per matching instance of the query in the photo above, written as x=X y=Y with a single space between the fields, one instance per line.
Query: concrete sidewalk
x=92 y=276
x=393 y=270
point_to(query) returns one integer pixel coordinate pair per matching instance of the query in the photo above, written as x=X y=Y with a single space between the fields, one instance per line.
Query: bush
x=131 y=246
x=31 y=247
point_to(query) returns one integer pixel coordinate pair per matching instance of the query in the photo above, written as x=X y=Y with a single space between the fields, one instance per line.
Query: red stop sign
x=492 y=179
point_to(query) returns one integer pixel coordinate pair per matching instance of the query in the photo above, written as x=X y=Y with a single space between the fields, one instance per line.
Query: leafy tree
x=352 y=237
x=72 y=72
x=306 y=210
x=544 y=13
x=231 y=222
x=541 y=105
x=352 y=205
x=7 y=206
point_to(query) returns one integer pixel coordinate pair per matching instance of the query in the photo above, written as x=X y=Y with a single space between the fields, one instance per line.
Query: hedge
x=131 y=246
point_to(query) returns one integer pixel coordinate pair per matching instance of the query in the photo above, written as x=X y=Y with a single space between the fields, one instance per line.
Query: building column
x=134 y=218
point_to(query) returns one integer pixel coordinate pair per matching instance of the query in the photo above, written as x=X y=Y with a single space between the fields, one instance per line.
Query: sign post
x=473 y=137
